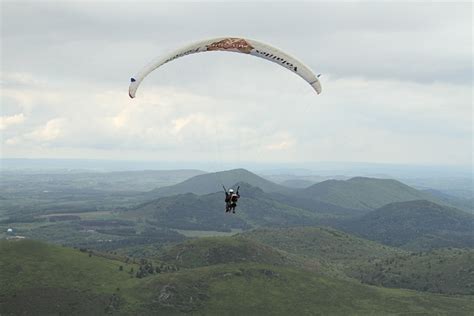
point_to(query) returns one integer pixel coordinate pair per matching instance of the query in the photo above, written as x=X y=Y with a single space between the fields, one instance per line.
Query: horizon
x=323 y=168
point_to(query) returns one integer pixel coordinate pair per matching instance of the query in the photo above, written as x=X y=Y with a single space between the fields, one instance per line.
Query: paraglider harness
x=231 y=199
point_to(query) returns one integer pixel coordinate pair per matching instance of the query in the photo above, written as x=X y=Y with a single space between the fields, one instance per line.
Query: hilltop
x=221 y=250
x=322 y=243
x=212 y=182
x=362 y=193
x=415 y=225
x=358 y=193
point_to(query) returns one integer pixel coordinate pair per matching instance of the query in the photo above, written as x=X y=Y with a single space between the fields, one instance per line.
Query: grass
x=261 y=289
x=448 y=271
x=322 y=243
x=221 y=250
x=38 y=278
x=31 y=263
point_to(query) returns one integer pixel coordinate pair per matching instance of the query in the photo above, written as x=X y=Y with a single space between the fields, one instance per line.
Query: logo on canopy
x=231 y=44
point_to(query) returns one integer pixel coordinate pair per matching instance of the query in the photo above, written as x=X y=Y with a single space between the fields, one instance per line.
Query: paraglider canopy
x=236 y=45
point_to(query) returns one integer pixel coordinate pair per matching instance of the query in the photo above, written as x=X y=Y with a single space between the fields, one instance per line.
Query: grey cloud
x=368 y=54
x=104 y=41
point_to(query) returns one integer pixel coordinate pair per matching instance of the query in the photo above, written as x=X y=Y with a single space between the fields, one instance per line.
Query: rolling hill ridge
x=363 y=193
x=415 y=225
x=206 y=212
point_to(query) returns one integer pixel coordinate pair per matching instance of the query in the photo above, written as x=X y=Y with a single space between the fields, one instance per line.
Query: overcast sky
x=396 y=78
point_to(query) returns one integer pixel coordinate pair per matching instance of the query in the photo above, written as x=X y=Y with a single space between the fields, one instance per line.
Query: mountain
x=212 y=182
x=337 y=197
x=41 y=279
x=362 y=193
x=448 y=271
x=415 y=225
x=206 y=212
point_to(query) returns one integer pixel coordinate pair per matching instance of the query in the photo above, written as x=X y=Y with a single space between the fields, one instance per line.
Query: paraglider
x=231 y=199
x=236 y=45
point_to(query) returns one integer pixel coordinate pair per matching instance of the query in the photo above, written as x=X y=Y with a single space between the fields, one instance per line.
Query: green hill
x=221 y=250
x=212 y=182
x=322 y=243
x=448 y=271
x=363 y=193
x=37 y=279
x=262 y=289
x=415 y=225
x=40 y=279
x=314 y=206
x=188 y=212
x=206 y=212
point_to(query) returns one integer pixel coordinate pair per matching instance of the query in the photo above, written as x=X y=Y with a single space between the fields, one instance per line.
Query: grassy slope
x=57 y=276
x=448 y=271
x=222 y=250
x=442 y=271
x=50 y=279
x=210 y=251
x=258 y=289
x=37 y=263
x=322 y=243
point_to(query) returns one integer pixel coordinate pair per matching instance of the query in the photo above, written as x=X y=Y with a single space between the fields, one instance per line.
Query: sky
x=396 y=79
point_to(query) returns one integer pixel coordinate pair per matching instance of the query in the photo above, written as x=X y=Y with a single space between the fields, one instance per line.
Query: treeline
x=151 y=235
x=445 y=271
x=146 y=268
x=22 y=219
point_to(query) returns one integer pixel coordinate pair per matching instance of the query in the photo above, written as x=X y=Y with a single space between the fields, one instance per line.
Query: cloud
x=388 y=121
x=397 y=82
x=53 y=129
x=99 y=42
x=6 y=121
x=283 y=145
